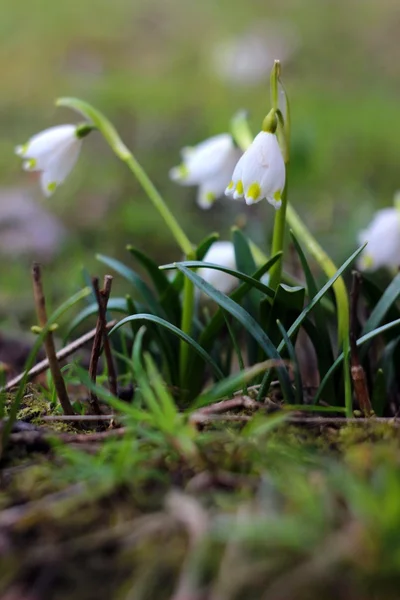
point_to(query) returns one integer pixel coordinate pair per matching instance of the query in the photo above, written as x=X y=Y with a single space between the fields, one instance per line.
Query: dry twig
x=55 y=369
x=43 y=365
x=357 y=371
x=100 y=337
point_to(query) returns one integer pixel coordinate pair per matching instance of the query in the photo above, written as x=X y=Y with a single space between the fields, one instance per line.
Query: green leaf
x=380 y=396
x=362 y=340
x=293 y=359
x=324 y=347
x=387 y=301
x=231 y=384
x=286 y=307
x=161 y=282
x=246 y=320
x=145 y=293
x=252 y=281
x=176 y=331
x=168 y=294
x=246 y=264
x=307 y=310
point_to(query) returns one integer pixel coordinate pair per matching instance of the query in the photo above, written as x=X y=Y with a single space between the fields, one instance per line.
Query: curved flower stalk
x=260 y=173
x=209 y=166
x=383 y=237
x=221 y=253
x=54 y=152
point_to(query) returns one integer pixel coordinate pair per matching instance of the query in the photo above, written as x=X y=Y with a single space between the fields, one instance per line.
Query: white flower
x=54 y=152
x=208 y=165
x=260 y=173
x=383 y=237
x=220 y=253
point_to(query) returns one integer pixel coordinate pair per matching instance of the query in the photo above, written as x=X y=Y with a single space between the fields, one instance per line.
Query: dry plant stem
x=99 y=338
x=105 y=295
x=55 y=369
x=357 y=371
x=43 y=365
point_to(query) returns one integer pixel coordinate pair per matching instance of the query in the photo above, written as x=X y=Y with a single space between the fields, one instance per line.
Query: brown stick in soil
x=100 y=338
x=357 y=371
x=112 y=376
x=55 y=369
x=43 y=365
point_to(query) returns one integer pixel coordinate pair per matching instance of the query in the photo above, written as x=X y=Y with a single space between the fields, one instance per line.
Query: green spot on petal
x=30 y=164
x=182 y=171
x=239 y=187
x=210 y=197
x=51 y=187
x=368 y=261
x=230 y=185
x=22 y=149
x=254 y=191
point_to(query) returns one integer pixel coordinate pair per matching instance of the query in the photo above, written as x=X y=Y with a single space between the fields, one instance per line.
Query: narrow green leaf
x=293 y=359
x=176 y=331
x=388 y=299
x=231 y=384
x=362 y=340
x=324 y=349
x=246 y=320
x=307 y=310
x=198 y=264
x=145 y=293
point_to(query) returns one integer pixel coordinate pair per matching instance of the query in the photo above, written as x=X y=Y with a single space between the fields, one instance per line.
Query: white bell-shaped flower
x=260 y=173
x=221 y=253
x=383 y=237
x=208 y=165
x=54 y=152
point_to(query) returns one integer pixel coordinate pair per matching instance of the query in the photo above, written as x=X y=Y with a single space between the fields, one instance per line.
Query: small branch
x=72 y=418
x=55 y=369
x=357 y=371
x=100 y=337
x=43 y=365
x=105 y=294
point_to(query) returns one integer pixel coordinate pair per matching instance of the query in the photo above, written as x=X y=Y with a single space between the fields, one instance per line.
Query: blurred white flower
x=54 y=152
x=246 y=59
x=208 y=165
x=260 y=173
x=220 y=253
x=383 y=237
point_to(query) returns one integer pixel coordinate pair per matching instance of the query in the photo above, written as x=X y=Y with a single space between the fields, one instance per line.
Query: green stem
x=278 y=239
x=186 y=327
x=339 y=288
x=111 y=135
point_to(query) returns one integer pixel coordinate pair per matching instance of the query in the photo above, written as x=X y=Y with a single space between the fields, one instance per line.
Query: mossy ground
x=291 y=513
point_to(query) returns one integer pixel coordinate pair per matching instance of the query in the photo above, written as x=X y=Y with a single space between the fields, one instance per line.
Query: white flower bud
x=208 y=165
x=220 y=253
x=54 y=152
x=383 y=237
x=260 y=173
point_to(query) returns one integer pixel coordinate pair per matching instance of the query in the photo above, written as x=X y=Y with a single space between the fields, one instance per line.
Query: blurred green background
x=170 y=73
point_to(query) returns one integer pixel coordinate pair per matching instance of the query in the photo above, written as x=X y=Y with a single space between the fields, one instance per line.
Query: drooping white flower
x=208 y=165
x=260 y=173
x=383 y=237
x=221 y=253
x=54 y=152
